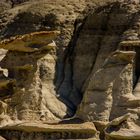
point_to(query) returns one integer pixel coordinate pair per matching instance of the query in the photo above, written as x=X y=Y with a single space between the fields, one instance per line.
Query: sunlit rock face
x=67 y=63
x=31 y=73
x=98 y=102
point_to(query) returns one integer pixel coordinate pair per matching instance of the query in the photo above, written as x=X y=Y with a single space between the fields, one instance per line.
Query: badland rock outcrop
x=70 y=69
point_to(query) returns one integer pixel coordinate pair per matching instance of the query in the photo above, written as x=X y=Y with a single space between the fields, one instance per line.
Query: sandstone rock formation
x=70 y=66
x=60 y=131
x=33 y=74
x=98 y=103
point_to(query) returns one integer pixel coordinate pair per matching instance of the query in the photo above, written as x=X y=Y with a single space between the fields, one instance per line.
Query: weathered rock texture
x=32 y=76
x=70 y=62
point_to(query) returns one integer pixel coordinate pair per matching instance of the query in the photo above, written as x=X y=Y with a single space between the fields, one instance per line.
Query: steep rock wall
x=83 y=74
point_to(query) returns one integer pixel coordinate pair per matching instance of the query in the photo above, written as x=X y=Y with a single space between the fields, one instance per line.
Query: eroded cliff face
x=71 y=71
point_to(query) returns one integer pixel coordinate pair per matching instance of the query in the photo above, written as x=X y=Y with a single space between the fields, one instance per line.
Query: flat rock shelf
x=49 y=131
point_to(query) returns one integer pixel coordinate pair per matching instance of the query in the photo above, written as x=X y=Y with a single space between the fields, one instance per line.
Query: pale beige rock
x=130 y=43
x=34 y=96
x=122 y=128
x=1 y=138
x=97 y=103
x=49 y=85
x=3 y=108
x=44 y=127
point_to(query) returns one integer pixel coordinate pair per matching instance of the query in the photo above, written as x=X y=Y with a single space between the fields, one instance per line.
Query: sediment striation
x=70 y=69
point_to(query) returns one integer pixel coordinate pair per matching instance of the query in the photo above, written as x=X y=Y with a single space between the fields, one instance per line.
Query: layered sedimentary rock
x=90 y=71
x=59 y=131
x=32 y=97
x=98 y=103
x=31 y=92
x=123 y=127
x=30 y=42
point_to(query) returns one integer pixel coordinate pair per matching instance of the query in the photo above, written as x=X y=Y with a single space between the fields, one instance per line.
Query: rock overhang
x=32 y=42
x=130 y=45
x=133 y=43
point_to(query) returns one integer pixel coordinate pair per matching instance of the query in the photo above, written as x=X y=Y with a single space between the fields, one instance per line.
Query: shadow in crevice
x=137 y=68
x=65 y=88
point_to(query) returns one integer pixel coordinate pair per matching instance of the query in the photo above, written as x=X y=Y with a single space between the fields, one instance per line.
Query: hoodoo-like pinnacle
x=119 y=57
x=42 y=40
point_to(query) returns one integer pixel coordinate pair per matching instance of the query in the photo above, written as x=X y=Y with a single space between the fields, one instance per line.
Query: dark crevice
x=137 y=67
x=68 y=59
x=15 y=2
x=69 y=52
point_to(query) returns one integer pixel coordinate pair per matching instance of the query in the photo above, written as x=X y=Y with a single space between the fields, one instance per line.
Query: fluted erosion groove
x=70 y=69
